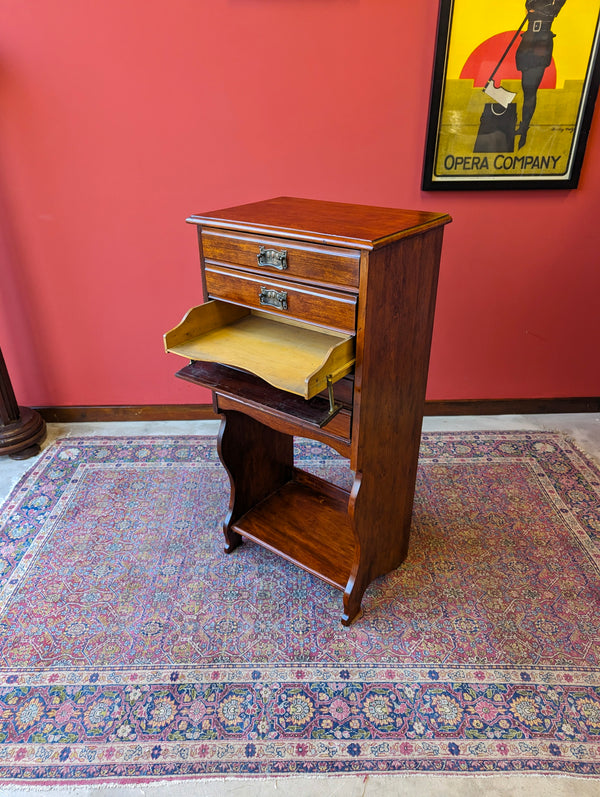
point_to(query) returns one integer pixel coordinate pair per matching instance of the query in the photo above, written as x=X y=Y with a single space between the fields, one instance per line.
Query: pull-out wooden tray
x=287 y=354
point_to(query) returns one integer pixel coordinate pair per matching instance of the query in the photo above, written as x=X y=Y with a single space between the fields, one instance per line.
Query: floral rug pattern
x=133 y=648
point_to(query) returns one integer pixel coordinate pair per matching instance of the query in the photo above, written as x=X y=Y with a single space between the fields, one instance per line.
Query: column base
x=20 y=439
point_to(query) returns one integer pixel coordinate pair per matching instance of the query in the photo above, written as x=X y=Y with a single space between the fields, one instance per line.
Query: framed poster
x=513 y=93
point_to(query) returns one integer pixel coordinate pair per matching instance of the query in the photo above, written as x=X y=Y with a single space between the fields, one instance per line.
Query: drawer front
x=328 y=265
x=325 y=308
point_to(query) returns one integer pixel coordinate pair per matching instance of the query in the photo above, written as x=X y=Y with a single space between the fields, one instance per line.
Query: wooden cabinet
x=317 y=322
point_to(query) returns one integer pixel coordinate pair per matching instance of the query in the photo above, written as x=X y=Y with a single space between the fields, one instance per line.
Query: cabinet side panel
x=396 y=323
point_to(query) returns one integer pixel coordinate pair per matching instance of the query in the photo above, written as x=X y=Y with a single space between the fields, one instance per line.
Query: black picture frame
x=473 y=143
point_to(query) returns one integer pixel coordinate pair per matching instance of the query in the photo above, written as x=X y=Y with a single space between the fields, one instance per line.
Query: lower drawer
x=332 y=309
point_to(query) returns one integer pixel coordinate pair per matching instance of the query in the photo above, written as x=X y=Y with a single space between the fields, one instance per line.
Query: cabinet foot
x=348 y=619
x=353 y=596
x=233 y=540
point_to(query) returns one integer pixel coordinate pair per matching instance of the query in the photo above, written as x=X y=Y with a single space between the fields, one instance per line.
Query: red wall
x=118 y=118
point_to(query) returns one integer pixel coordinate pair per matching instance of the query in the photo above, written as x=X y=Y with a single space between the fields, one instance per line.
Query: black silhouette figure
x=534 y=55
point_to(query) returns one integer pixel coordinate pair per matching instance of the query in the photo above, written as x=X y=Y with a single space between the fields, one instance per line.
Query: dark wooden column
x=21 y=429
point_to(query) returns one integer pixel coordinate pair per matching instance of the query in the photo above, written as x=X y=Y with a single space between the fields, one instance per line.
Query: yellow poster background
x=549 y=147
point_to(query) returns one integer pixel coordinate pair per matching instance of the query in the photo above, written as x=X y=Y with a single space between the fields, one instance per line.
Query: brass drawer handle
x=273 y=298
x=273 y=258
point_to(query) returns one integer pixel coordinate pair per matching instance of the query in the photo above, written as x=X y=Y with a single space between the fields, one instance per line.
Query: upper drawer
x=327 y=308
x=328 y=265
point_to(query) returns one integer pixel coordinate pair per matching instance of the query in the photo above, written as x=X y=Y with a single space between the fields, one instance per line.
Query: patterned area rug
x=132 y=648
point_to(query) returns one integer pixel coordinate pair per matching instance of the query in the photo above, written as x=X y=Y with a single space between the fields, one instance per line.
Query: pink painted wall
x=118 y=118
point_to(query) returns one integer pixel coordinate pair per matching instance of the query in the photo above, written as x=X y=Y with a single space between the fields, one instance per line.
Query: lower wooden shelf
x=306 y=522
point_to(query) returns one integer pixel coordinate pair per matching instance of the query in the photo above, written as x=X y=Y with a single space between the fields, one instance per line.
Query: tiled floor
x=583 y=429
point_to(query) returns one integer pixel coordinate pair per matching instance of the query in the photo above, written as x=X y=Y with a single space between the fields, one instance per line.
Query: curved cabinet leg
x=381 y=519
x=359 y=577
x=258 y=460
x=353 y=596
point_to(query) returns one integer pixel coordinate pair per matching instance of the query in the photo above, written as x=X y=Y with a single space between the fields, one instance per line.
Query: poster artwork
x=515 y=80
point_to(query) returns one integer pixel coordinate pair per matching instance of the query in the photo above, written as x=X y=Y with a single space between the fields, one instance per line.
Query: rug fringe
x=435 y=786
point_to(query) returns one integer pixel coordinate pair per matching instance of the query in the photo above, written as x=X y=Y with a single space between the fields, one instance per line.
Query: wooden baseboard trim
x=204 y=412
x=138 y=412
x=535 y=406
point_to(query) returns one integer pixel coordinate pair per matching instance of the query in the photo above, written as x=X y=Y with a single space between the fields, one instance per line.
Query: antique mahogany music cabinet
x=317 y=322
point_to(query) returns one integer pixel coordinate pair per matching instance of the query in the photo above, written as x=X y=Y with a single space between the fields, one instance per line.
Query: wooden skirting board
x=136 y=412
x=204 y=412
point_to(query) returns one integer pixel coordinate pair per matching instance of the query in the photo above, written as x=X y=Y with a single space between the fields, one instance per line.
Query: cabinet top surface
x=363 y=226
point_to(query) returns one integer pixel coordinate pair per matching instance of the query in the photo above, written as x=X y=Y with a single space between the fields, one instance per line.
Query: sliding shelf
x=255 y=392
x=290 y=355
